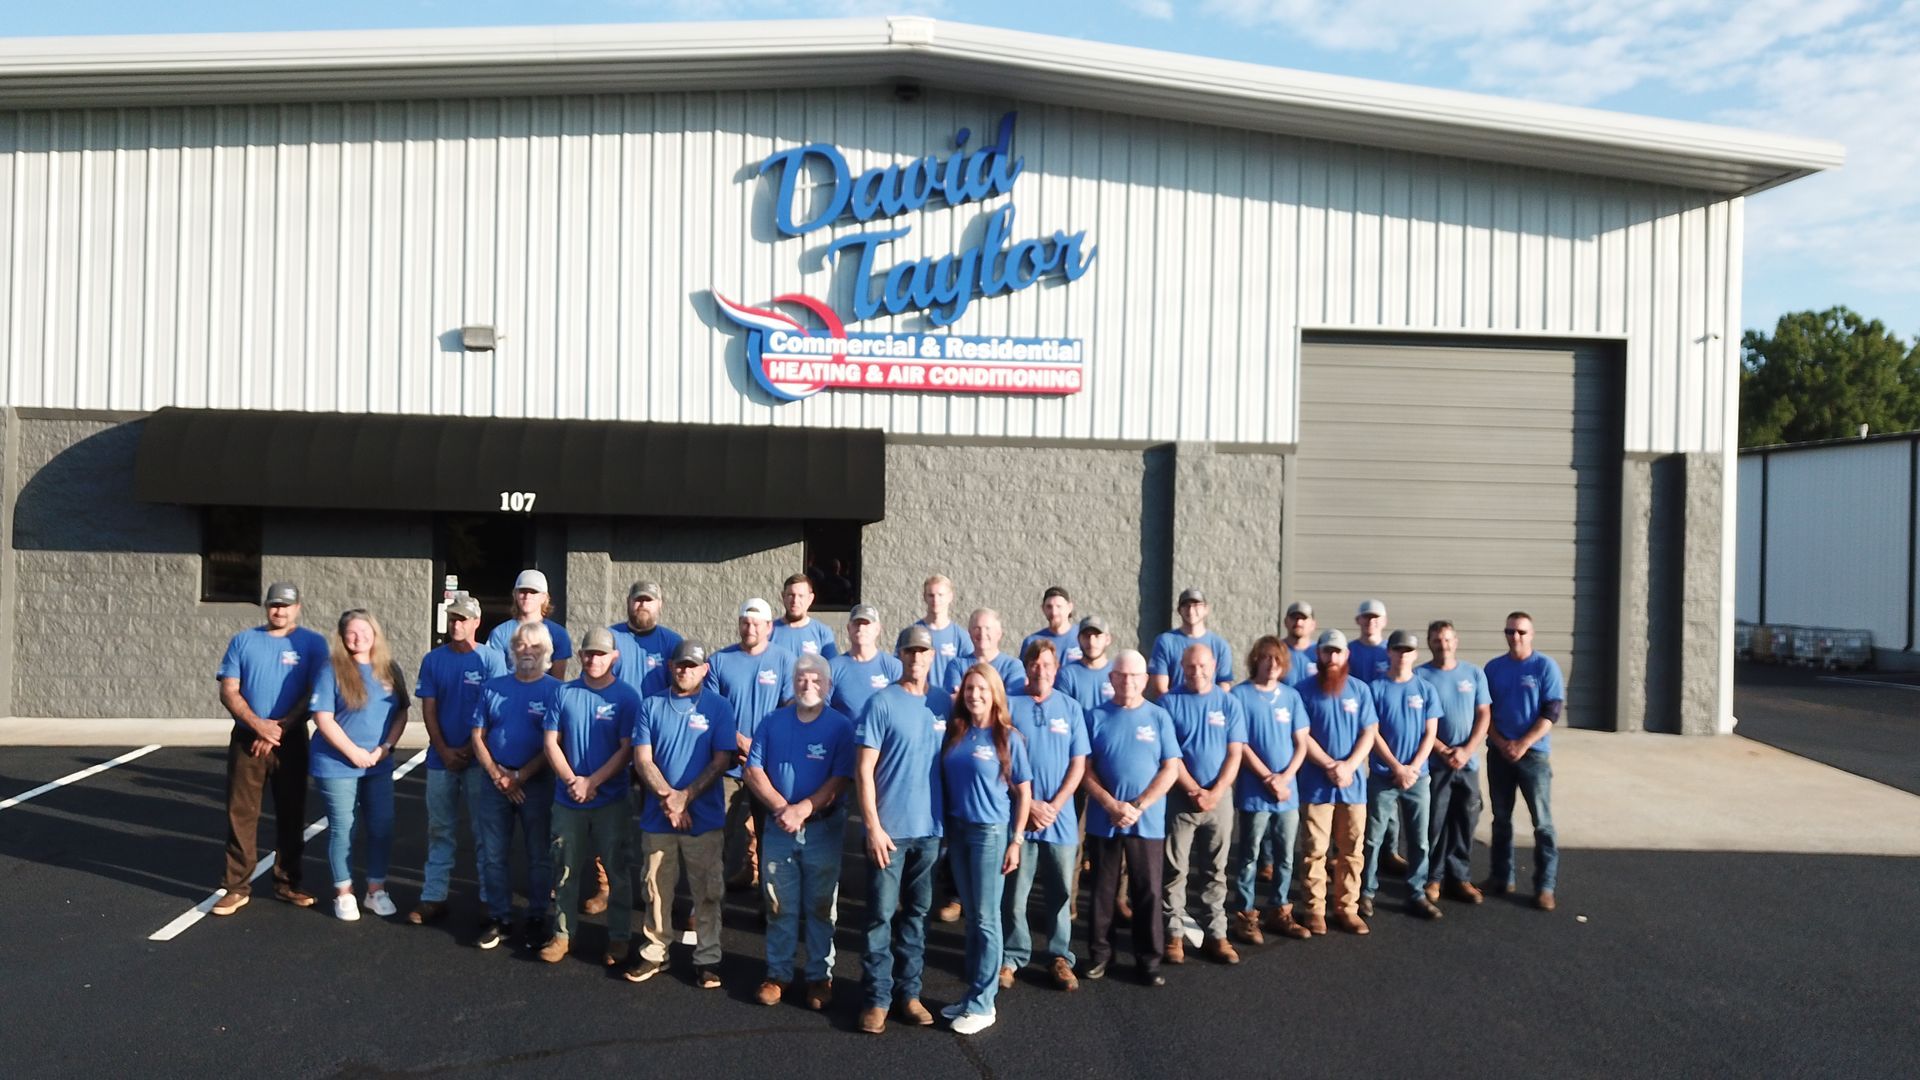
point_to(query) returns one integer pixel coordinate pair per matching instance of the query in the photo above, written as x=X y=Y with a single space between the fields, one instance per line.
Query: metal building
x=914 y=296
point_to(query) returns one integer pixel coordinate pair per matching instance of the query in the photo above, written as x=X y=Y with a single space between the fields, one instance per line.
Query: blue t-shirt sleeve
x=829 y=648
x=712 y=681
x=726 y=733
x=1223 y=668
x=1021 y=766
x=1169 y=738
x=842 y=762
x=229 y=661
x=1236 y=721
x=482 y=708
x=325 y=697
x=871 y=731
x=423 y=687
x=1481 y=694
x=551 y=721
x=562 y=641
x=756 y=751
x=1552 y=688
x=1369 y=708
x=1081 y=745
x=642 y=730
x=1434 y=711
x=1160 y=663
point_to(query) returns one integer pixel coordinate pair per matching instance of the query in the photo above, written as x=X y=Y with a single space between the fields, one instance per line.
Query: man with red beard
x=1333 y=783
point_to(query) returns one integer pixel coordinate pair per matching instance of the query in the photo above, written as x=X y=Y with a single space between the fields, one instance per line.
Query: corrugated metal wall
x=1746 y=571
x=313 y=257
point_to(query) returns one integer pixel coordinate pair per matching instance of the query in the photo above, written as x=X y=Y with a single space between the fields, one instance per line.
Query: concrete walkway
x=1610 y=791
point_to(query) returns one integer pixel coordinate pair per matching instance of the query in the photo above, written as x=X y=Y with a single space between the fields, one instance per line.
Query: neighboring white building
x=1274 y=334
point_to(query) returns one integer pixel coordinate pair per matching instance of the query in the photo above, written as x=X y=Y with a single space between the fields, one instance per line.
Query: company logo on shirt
x=810 y=646
x=1073 y=653
x=604 y=711
x=816 y=751
x=767 y=677
x=1282 y=715
x=1416 y=702
x=696 y=722
x=877 y=681
x=652 y=661
x=1145 y=733
x=983 y=752
x=1350 y=705
x=1313 y=667
x=1530 y=682
x=1059 y=726
x=1465 y=686
x=537 y=708
x=290 y=658
x=1215 y=718
x=1379 y=667
x=949 y=650
x=940 y=726
x=1106 y=691
x=473 y=678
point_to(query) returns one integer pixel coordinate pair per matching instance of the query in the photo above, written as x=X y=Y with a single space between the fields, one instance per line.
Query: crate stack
x=1805 y=646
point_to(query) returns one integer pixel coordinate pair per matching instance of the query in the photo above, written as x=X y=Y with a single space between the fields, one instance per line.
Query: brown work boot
x=287 y=894
x=949 y=912
x=819 y=994
x=1464 y=890
x=1314 y=923
x=1395 y=862
x=1433 y=892
x=1366 y=907
x=555 y=950
x=873 y=1021
x=1176 y=948
x=770 y=992
x=1063 y=976
x=1280 y=921
x=1006 y=978
x=1246 y=927
x=1352 y=924
x=916 y=1012
x=1544 y=901
x=231 y=903
x=1425 y=908
x=1220 y=950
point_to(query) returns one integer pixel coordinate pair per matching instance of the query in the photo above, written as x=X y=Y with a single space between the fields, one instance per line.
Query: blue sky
x=1835 y=69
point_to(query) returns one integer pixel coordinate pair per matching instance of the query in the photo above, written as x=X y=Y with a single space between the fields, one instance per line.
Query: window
x=230 y=554
x=832 y=553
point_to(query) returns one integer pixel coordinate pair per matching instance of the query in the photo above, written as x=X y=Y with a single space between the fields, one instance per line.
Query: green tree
x=1820 y=375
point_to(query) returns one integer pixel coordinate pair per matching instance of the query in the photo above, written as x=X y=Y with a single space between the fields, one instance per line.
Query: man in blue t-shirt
x=984 y=629
x=1170 y=646
x=1056 y=732
x=532 y=603
x=1060 y=630
x=1304 y=663
x=645 y=645
x=509 y=746
x=1212 y=729
x=1409 y=714
x=1088 y=680
x=897 y=765
x=266 y=679
x=950 y=639
x=683 y=743
x=589 y=741
x=799 y=767
x=1341 y=724
x=1454 y=780
x=1367 y=657
x=1528 y=696
x=755 y=676
x=1266 y=799
x=451 y=677
x=796 y=631
x=1133 y=760
x=863 y=670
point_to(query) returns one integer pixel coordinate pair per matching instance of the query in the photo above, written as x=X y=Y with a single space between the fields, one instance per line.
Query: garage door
x=1462 y=483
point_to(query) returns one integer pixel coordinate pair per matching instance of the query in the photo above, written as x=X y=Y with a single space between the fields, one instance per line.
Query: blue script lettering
x=944 y=286
x=894 y=189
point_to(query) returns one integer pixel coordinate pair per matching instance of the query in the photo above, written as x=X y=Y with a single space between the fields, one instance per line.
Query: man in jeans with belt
x=266 y=678
x=451 y=678
x=1528 y=696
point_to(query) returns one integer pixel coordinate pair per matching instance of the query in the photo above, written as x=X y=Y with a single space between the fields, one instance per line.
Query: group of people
x=741 y=767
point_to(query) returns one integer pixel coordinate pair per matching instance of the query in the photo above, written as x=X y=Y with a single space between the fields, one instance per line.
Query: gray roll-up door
x=1463 y=482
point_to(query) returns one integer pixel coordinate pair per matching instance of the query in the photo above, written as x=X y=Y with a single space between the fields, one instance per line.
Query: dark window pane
x=833 y=563
x=230 y=554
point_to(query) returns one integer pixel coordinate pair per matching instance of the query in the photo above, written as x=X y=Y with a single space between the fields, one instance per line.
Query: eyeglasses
x=1511 y=632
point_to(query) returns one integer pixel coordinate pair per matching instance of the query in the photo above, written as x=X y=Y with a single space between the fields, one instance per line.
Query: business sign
x=792 y=359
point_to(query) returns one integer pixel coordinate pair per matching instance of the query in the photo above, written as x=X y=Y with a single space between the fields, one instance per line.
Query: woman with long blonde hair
x=359 y=710
x=988 y=783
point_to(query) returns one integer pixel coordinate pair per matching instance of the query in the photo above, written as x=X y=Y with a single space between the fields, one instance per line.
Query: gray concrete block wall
x=1226 y=539
x=378 y=561
x=1701 y=641
x=706 y=570
x=1633 y=711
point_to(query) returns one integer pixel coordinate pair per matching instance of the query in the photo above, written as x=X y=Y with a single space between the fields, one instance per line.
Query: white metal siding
x=1837 y=539
x=1746 y=595
x=311 y=257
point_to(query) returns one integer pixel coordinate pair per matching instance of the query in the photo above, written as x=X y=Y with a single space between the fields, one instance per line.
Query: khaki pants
x=662 y=857
x=1344 y=825
x=1203 y=836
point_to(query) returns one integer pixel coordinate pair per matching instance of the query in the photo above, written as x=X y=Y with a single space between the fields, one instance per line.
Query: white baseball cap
x=757 y=608
x=530 y=579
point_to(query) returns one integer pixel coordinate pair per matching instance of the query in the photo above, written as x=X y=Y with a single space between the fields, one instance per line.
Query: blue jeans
x=494 y=816
x=1256 y=834
x=903 y=887
x=1053 y=866
x=800 y=875
x=368 y=799
x=976 y=853
x=1455 y=795
x=1383 y=798
x=449 y=794
x=1532 y=777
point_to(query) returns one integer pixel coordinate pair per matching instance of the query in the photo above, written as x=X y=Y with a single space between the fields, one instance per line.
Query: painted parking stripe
x=1870 y=682
x=200 y=910
x=91 y=770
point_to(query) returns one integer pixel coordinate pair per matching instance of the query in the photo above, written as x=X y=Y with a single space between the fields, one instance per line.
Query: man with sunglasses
x=1528 y=697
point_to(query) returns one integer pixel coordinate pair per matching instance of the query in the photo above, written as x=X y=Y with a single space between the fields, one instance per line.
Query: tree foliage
x=1820 y=375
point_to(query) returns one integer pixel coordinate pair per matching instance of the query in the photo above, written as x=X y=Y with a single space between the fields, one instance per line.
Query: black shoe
x=707 y=978
x=1094 y=971
x=1150 y=977
x=490 y=934
x=537 y=933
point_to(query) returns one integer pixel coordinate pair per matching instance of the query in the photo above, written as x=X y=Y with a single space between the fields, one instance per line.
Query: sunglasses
x=1510 y=632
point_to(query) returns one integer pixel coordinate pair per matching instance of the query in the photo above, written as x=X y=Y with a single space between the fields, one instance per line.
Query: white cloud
x=1153 y=9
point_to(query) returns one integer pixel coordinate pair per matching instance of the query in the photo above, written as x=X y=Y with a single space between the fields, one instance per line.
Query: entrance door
x=485 y=552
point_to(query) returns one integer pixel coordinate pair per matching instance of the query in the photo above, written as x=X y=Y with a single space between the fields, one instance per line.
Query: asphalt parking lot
x=1667 y=963
x=1867 y=723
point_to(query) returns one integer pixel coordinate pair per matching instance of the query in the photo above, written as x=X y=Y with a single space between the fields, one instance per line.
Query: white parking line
x=91 y=770
x=200 y=910
x=1870 y=682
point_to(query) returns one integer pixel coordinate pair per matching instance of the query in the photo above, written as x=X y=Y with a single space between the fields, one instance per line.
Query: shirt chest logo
x=604 y=710
x=1529 y=682
x=940 y=727
x=877 y=681
x=1145 y=733
x=1106 y=691
x=473 y=678
x=949 y=650
x=652 y=661
x=983 y=752
x=1416 y=702
x=1282 y=715
x=810 y=646
x=1216 y=718
x=290 y=658
x=1059 y=726
x=767 y=677
x=1349 y=705
x=1074 y=654
x=1379 y=667
x=1465 y=686
x=697 y=722
x=816 y=751
x=537 y=708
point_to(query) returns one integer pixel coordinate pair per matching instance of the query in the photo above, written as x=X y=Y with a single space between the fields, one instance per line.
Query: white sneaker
x=346 y=908
x=954 y=1011
x=972 y=1023
x=380 y=903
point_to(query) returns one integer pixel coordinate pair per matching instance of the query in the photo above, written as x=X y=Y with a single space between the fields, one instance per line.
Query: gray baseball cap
x=599 y=639
x=1191 y=596
x=1371 y=607
x=648 y=589
x=282 y=592
x=1300 y=607
x=913 y=637
x=463 y=607
x=1402 y=639
x=1094 y=624
x=1333 y=639
x=864 y=613
x=688 y=652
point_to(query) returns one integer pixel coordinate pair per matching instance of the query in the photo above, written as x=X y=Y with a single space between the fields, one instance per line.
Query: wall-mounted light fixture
x=478 y=338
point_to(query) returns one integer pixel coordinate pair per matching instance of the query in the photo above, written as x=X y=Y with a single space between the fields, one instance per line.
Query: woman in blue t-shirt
x=987 y=782
x=359 y=709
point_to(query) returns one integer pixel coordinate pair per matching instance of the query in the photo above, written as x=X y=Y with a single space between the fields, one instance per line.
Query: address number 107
x=519 y=502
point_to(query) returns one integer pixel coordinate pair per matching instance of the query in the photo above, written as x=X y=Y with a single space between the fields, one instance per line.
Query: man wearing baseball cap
x=1061 y=630
x=1367 y=655
x=1333 y=784
x=796 y=631
x=1304 y=664
x=451 y=678
x=266 y=679
x=684 y=741
x=532 y=603
x=863 y=670
x=588 y=741
x=1409 y=713
x=897 y=768
x=645 y=644
x=755 y=676
x=1086 y=680
x=1171 y=645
